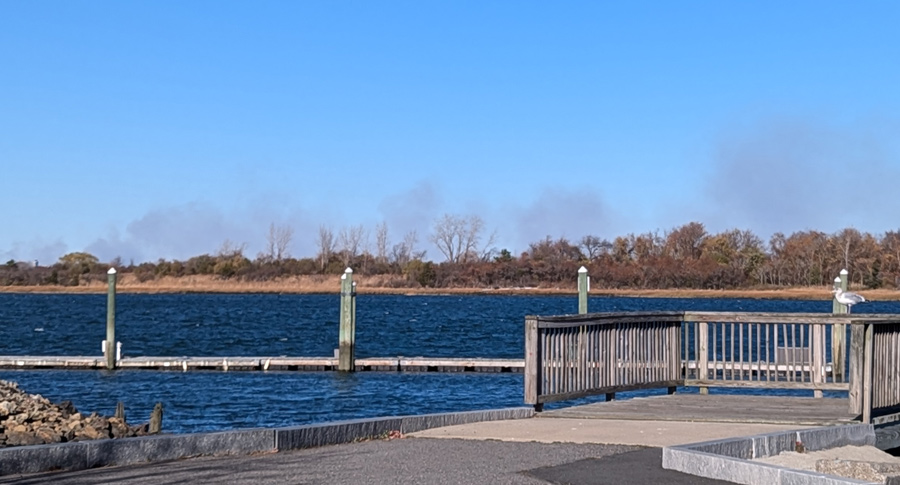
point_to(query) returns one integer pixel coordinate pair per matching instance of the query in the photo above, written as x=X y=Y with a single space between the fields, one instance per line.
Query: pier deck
x=399 y=363
x=723 y=408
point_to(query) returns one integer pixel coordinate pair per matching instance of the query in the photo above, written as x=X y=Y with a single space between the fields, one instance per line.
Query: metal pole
x=110 y=349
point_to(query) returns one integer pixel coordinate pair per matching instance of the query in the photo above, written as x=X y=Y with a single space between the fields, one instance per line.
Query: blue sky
x=152 y=130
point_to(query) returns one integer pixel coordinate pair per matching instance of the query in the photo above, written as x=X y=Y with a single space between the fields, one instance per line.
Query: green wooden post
x=840 y=282
x=347 y=332
x=838 y=331
x=353 y=323
x=584 y=285
x=110 y=350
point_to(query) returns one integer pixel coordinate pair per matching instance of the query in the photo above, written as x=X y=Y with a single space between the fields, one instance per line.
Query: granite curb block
x=126 y=451
x=730 y=459
x=148 y=449
x=337 y=432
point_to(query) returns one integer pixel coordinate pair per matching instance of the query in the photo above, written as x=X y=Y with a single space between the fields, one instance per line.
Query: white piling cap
x=111 y=271
x=837 y=279
x=348 y=270
x=582 y=270
x=844 y=271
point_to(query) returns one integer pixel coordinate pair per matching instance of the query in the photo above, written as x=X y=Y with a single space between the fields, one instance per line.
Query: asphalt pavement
x=411 y=460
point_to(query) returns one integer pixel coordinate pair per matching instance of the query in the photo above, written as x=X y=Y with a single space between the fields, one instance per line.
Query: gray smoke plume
x=793 y=176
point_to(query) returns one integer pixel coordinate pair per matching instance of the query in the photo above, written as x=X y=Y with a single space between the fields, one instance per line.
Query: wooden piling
x=120 y=411
x=584 y=286
x=347 y=334
x=110 y=349
x=838 y=331
x=156 y=417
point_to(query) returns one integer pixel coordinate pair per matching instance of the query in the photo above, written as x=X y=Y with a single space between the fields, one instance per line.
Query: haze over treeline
x=687 y=256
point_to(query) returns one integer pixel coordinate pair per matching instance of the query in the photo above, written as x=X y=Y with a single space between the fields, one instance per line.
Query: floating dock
x=184 y=364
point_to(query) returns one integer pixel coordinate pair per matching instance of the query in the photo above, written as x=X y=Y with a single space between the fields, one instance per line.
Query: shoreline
x=378 y=286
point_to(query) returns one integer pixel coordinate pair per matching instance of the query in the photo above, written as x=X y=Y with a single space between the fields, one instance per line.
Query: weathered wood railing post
x=857 y=360
x=817 y=351
x=838 y=331
x=584 y=286
x=347 y=344
x=109 y=347
x=867 y=374
x=703 y=354
x=532 y=363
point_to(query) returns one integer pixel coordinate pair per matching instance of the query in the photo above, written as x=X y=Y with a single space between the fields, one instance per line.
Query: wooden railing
x=775 y=351
x=880 y=358
x=568 y=357
x=574 y=356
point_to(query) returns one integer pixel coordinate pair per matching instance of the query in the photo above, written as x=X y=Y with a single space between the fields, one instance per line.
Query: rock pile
x=31 y=419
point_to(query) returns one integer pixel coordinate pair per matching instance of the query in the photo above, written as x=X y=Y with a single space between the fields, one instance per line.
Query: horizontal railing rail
x=573 y=356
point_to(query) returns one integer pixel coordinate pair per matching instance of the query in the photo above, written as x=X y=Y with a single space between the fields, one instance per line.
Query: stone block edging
x=82 y=455
x=730 y=459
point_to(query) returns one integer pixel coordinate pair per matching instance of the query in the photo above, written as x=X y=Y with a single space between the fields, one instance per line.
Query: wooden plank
x=474 y=364
x=828 y=386
x=450 y=362
x=611 y=318
x=608 y=390
x=30 y=361
x=753 y=317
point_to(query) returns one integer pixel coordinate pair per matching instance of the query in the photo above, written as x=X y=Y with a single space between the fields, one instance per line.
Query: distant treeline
x=685 y=257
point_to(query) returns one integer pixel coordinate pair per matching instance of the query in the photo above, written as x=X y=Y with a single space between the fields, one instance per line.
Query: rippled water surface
x=298 y=325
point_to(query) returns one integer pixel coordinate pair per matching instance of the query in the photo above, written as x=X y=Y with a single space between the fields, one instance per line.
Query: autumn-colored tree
x=685 y=242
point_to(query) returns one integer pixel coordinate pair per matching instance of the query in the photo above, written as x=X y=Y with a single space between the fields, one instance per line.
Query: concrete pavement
x=606 y=431
x=522 y=451
x=403 y=461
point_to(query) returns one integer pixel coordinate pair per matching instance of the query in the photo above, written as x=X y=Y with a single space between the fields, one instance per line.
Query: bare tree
x=594 y=247
x=381 y=242
x=230 y=249
x=457 y=237
x=350 y=241
x=405 y=251
x=488 y=250
x=277 y=241
x=847 y=242
x=326 y=245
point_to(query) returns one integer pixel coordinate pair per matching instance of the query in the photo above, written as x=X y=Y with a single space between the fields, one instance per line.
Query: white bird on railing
x=847 y=298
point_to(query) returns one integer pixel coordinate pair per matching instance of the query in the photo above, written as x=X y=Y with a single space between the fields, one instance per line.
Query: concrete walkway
x=605 y=431
x=525 y=451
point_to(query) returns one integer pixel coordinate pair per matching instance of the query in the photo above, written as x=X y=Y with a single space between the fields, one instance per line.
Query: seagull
x=847 y=298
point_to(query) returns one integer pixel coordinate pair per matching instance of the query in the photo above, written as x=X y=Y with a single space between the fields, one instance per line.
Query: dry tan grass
x=385 y=284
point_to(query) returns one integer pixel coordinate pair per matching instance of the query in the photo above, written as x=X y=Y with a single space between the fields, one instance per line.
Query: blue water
x=298 y=325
